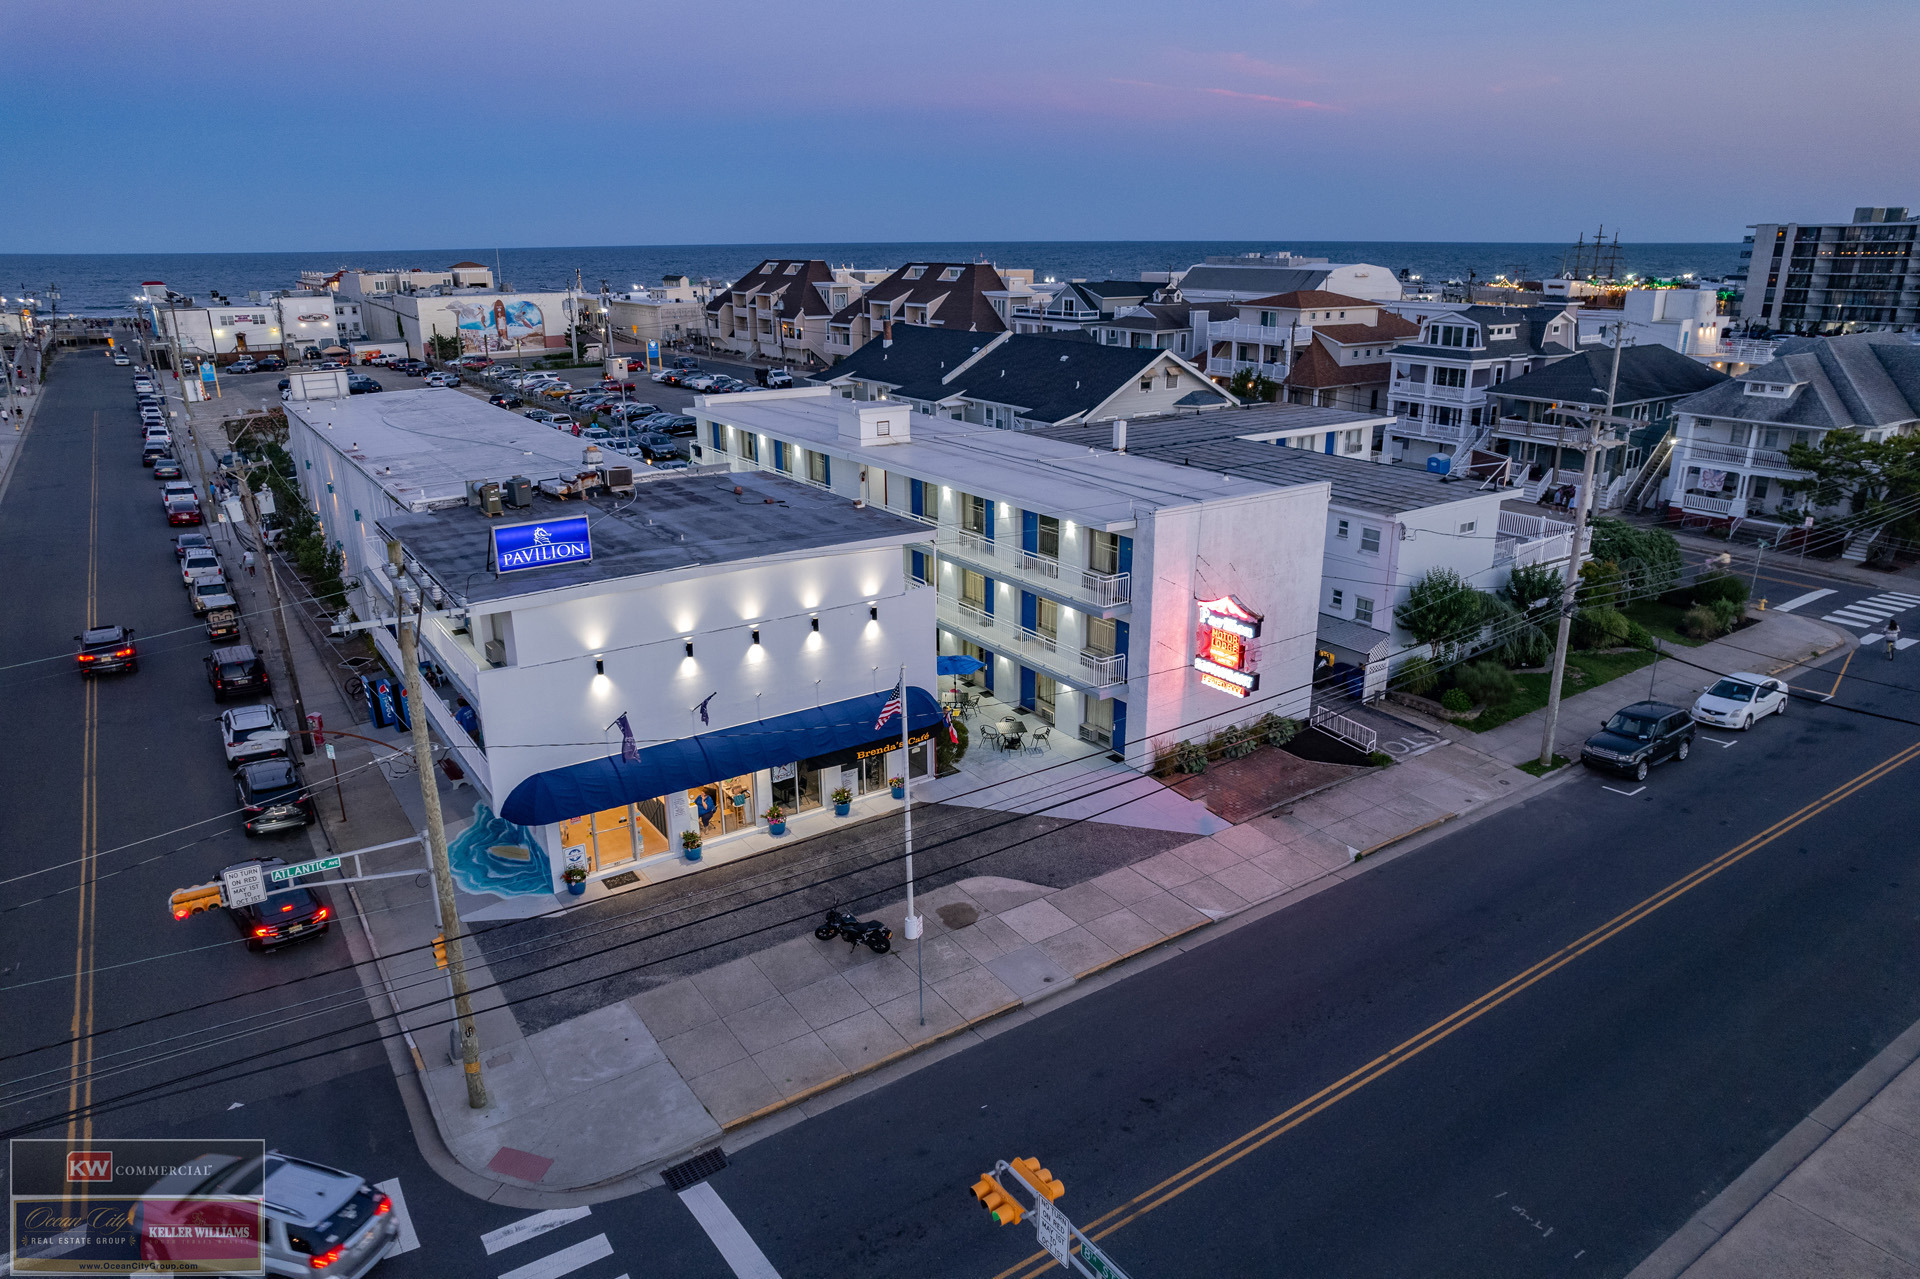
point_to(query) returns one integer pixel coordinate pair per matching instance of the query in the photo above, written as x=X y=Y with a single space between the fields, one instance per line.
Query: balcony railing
x=1739 y=351
x=1101 y=590
x=1241 y=331
x=1105 y=669
x=1107 y=588
x=972 y=614
x=1776 y=459
x=1094 y=672
x=1220 y=366
x=1724 y=508
x=1039 y=565
x=1439 y=394
x=978 y=543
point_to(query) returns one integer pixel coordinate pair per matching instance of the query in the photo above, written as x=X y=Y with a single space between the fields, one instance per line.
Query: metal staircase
x=1647 y=481
x=1860 y=543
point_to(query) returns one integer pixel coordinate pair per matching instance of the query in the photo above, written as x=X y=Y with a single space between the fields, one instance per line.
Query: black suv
x=107 y=648
x=236 y=669
x=285 y=917
x=272 y=797
x=1638 y=737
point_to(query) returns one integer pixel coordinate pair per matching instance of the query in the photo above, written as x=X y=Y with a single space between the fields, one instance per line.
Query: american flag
x=891 y=709
x=953 y=734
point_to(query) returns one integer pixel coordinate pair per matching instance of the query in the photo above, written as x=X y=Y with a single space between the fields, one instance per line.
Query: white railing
x=1433 y=430
x=1738 y=455
x=972 y=614
x=1241 y=331
x=1429 y=391
x=1107 y=588
x=1107 y=669
x=1719 y=507
x=1039 y=565
x=1521 y=525
x=1347 y=730
x=978 y=543
x=1219 y=366
x=1739 y=351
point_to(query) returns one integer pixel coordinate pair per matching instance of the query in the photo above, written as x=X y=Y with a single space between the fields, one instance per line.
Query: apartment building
x=947 y=295
x=1077 y=576
x=672 y=311
x=1442 y=376
x=1017 y=381
x=1730 y=448
x=780 y=311
x=1834 y=277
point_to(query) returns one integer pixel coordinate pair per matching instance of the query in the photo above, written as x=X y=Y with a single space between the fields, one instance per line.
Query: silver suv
x=317 y=1220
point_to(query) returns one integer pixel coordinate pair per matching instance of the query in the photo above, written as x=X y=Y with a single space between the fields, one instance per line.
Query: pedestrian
x=246 y=562
x=1893 y=636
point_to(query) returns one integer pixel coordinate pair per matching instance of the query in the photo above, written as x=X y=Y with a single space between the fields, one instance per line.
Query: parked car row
x=1647 y=733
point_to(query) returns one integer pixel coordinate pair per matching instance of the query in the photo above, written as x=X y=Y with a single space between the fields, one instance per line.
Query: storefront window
x=722 y=808
x=614 y=836
x=873 y=774
x=795 y=788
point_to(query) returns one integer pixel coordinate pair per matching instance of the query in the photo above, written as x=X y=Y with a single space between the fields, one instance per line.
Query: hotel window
x=1351 y=442
x=1101 y=636
x=1370 y=540
x=1363 y=609
x=781 y=461
x=1046 y=618
x=1103 y=552
x=719 y=437
x=1339 y=601
x=973 y=513
x=973 y=589
x=749 y=446
x=1047 y=536
x=819 y=467
x=1045 y=691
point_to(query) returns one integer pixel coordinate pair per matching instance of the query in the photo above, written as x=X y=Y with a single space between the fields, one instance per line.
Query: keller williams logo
x=89 y=1165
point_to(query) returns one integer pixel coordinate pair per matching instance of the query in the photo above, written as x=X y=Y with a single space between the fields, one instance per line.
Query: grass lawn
x=1661 y=619
x=1584 y=671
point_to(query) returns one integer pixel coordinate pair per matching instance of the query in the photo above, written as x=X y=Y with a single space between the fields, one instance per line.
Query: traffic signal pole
x=1065 y=1242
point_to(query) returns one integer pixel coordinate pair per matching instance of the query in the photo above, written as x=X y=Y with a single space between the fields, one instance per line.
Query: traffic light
x=1042 y=1181
x=1001 y=1206
x=191 y=901
x=440 y=951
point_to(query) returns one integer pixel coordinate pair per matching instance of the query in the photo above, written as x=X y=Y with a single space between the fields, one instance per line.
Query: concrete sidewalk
x=1838 y=1196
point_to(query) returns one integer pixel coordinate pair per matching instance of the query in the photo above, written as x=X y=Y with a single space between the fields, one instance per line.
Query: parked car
x=242 y=365
x=775 y=379
x=563 y=422
x=503 y=401
x=657 y=446
x=661 y=375
x=445 y=377
x=359 y=384
x=165 y=468
x=1638 y=737
x=183 y=511
x=538 y=415
x=596 y=435
x=223 y=624
x=236 y=669
x=557 y=390
x=174 y=490
x=686 y=362
x=120 y=359
x=184 y=542
x=271 y=363
x=672 y=424
x=197 y=563
x=211 y=591
x=272 y=798
x=107 y=648
x=249 y=733
x=1737 y=700
x=331 y=364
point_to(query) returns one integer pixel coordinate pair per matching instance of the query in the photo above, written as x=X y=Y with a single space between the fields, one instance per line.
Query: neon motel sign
x=1223 y=646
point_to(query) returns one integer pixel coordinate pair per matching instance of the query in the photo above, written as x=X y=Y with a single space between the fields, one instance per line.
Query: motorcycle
x=871 y=933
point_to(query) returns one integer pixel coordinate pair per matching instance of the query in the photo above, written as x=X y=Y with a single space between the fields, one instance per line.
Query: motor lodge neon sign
x=1223 y=651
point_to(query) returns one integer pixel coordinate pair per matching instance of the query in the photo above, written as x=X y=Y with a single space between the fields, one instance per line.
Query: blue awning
x=958 y=664
x=598 y=784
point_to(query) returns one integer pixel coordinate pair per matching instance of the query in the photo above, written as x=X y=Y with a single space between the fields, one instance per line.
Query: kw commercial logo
x=89 y=1165
x=523 y=546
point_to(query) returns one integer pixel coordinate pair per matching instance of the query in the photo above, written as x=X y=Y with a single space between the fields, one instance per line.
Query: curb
x=1731 y=1206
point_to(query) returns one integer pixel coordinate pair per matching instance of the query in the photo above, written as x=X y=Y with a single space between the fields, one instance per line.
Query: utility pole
x=279 y=613
x=913 y=926
x=1572 y=584
x=410 y=610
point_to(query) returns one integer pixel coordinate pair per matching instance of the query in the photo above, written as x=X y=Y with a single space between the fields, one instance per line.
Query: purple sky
x=195 y=126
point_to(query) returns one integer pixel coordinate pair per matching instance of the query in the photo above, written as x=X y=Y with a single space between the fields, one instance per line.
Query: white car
x=1737 y=700
x=121 y=359
x=438 y=379
x=200 y=561
x=209 y=593
x=174 y=490
x=249 y=733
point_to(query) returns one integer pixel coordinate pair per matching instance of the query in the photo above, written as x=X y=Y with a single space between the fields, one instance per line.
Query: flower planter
x=776 y=828
x=841 y=810
x=693 y=853
x=577 y=887
x=899 y=792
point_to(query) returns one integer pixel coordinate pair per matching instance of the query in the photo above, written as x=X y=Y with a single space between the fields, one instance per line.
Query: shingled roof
x=959 y=303
x=1316 y=367
x=1304 y=299
x=793 y=289
x=1647 y=373
x=1860 y=380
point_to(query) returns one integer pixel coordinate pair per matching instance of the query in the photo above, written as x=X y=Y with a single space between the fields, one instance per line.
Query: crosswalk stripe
x=736 y=1246
x=1808 y=598
x=1882 y=607
x=406 y=1240
x=1863 y=623
x=530 y=1227
x=564 y=1262
x=1902 y=595
x=1901 y=644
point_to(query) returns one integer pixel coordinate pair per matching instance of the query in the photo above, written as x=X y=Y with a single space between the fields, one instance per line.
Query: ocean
x=104 y=283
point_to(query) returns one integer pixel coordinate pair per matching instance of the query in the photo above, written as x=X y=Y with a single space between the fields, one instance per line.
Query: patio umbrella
x=958 y=664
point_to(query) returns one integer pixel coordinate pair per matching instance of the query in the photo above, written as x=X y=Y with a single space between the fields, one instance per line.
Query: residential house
x=1016 y=381
x=1542 y=413
x=1730 y=447
x=1442 y=376
x=1077 y=576
x=947 y=295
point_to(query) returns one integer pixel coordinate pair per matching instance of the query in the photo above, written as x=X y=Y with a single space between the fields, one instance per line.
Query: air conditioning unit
x=497 y=652
x=519 y=492
x=486 y=496
x=617 y=478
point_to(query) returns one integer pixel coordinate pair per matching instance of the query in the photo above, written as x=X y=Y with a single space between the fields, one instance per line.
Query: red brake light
x=326 y=1258
x=287 y=907
x=263 y=932
x=320 y=915
x=385 y=1205
x=125 y=652
x=86 y=657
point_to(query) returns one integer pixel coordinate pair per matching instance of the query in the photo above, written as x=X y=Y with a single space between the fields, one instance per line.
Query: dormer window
x=793 y=268
x=1773 y=390
x=915 y=272
x=951 y=274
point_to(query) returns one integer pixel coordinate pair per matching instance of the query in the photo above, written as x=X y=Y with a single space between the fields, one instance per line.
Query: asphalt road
x=117 y=791
x=1531 y=1047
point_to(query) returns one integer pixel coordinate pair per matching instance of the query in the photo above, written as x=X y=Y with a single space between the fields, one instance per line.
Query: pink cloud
x=1295 y=104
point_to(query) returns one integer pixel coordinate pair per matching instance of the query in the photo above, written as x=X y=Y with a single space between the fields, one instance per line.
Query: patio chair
x=991 y=736
x=1037 y=744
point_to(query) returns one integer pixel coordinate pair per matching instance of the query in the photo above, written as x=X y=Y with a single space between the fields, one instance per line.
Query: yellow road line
x=80 y=1086
x=1834 y=691
x=1201 y=1169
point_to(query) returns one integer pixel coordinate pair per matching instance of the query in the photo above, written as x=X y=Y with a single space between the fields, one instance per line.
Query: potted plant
x=776 y=820
x=690 y=844
x=576 y=877
x=842 y=801
x=899 y=785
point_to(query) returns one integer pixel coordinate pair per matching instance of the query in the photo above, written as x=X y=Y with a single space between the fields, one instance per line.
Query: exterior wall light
x=599 y=666
x=816 y=625
x=756 y=635
x=873 y=612
x=689 y=648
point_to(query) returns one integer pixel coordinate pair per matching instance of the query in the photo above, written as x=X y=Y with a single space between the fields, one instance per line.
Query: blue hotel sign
x=563 y=541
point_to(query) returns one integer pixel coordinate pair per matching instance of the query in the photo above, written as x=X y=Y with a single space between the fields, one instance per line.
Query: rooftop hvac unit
x=497 y=652
x=485 y=495
x=519 y=492
x=617 y=478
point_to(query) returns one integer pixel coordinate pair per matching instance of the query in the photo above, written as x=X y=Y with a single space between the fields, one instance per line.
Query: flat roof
x=1217 y=442
x=673 y=522
x=1091 y=486
x=423 y=446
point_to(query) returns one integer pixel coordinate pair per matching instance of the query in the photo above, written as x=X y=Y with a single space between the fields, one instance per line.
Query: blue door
x=919 y=566
x=989 y=504
x=1120 y=633
x=1330 y=436
x=1119 y=726
x=986 y=655
x=1030 y=531
x=987 y=607
x=1126 y=555
x=1029 y=611
x=1026 y=689
x=916 y=493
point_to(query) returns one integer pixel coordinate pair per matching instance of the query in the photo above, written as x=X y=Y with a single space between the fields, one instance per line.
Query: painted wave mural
x=494 y=855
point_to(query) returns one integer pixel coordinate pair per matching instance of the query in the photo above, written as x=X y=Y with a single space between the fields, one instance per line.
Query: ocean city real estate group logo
x=522 y=546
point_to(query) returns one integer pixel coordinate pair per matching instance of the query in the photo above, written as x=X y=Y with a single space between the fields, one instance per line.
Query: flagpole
x=913 y=927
